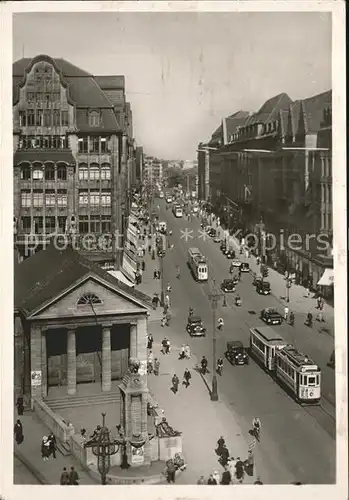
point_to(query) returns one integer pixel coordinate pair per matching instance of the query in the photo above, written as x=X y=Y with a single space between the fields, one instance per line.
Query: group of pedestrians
x=48 y=447
x=234 y=468
x=69 y=478
x=186 y=381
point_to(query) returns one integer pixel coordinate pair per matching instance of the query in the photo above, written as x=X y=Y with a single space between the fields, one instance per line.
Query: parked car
x=212 y=232
x=256 y=280
x=228 y=285
x=263 y=288
x=270 y=316
x=236 y=354
x=217 y=239
x=230 y=254
x=236 y=263
x=245 y=267
x=223 y=246
x=195 y=327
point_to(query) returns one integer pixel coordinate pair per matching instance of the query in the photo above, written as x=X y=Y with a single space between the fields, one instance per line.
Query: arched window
x=105 y=171
x=88 y=299
x=38 y=173
x=93 y=119
x=61 y=172
x=83 y=171
x=49 y=172
x=25 y=173
x=94 y=172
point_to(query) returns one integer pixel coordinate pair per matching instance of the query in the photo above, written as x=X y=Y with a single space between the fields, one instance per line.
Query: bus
x=264 y=341
x=177 y=211
x=197 y=264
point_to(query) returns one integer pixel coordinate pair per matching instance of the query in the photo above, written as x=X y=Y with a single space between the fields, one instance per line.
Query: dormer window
x=93 y=119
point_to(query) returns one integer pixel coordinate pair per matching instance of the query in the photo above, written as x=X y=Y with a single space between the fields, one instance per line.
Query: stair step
x=70 y=402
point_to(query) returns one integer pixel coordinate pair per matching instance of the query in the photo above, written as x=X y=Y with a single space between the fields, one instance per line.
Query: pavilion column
x=133 y=340
x=106 y=358
x=71 y=368
x=43 y=365
x=35 y=363
x=142 y=340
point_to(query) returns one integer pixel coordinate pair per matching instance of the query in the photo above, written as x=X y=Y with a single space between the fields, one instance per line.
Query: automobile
x=195 y=327
x=263 y=288
x=228 y=285
x=161 y=253
x=256 y=280
x=223 y=246
x=236 y=354
x=236 y=263
x=195 y=209
x=217 y=239
x=230 y=254
x=245 y=267
x=270 y=316
x=208 y=229
x=212 y=232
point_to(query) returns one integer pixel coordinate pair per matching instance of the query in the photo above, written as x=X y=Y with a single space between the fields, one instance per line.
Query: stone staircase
x=87 y=400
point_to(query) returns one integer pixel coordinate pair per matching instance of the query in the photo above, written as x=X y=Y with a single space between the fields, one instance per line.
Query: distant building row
x=275 y=167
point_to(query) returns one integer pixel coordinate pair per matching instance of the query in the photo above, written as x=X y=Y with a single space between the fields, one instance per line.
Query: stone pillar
x=133 y=340
x=43 y=365
x=142 y=340
x=35 y=362
x=71 y=368
x=106 y=359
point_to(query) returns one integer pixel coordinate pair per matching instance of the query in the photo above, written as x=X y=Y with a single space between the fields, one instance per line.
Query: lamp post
x=288 y=286
x=162 y=296
x=214 y=296
x=103 y=448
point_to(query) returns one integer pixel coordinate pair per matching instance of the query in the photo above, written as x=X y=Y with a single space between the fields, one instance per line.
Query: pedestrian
x=140 y=276
x=226 y=477
x=249 y=464
x=150 y=362
x=170 y=471
x=163 y=322
x=164 y=344
x=156 y=366
x=150 y=341
x=18 y=432
x=20 y=406
x=168 y=347
x=182 y=352
x=286 y=313
x=149 y=248
x=45 y=448
x=168 y=318
x=187 y=351
x=239 y=470
x=154 y=301
x=224 y=455
x=83 y=436
x=64 y=477
x=186 y=378
x=258 y=481
x=155 y=274
x=159 y=274
x=211 y=480
x=231 y=466
x=175 y=384
x=201 y=480
x=73 y=476
x=220 y=444
x=52 y=444
x=216 y=476
x=167 y=300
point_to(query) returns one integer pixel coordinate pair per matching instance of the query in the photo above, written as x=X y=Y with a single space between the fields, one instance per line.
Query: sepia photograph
x=176 y=246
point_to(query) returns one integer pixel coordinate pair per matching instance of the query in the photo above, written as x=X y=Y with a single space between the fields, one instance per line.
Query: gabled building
x=71 y=135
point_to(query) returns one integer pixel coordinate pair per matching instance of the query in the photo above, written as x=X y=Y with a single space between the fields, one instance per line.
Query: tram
x=197 y=264
x=299 y=374
x=264 y=342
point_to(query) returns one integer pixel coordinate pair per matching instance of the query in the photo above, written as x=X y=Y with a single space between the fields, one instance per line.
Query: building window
x=106 y=223
x=94 y=197
x=26 y=224
x=83 y=144
x=83 y=172
x=50 y=199
x=38 y=198
x=30 y=118
x=22 y=119
x=94 y=172
x=62 y=173
x=95 y=223
x=62 y=198
x=104 y=144
x=49 y=173
x=106 y=198
x=83 y=224
x=31 y=97
x=93 y=119
x=39 y=118
x=50 y=224
x=94 y=144
x=47 y=100
x=88 y=299
x=26 y=198
x=65 y=118
x=83 y=197
x=56 y=118
x=105 y=171
x=62 y=221
x=25 y=173
x=38 y=225
x=38 y=174
x=47 y=118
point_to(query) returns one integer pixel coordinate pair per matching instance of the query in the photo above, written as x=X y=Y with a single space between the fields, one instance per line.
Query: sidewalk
x=30 y=450
x=299 y=302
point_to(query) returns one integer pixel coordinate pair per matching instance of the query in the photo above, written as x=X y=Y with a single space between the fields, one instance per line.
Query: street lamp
x=288 y=286
x=103 y=448
x=214 y=296
x=162 y=296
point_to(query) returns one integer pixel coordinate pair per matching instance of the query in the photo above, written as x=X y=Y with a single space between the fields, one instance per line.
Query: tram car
x=197 y=264
x=264 y=342
x=299 y=373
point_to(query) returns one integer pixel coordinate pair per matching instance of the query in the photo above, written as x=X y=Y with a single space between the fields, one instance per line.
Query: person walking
x=64 y=480
x=20 y=406
x=73 y=476
x=224 y=455
x=150 y=341
x=286 y=313
x=239 y=470
x=156 y=366
x=182 y=352
x=52 y=445
x=168 y=347
x=249 y=464
x=186 y=378
x=18 y=432
x=226 y=477
x=150 y=362
x=168 y=318
x=170 y=471
x=201 y=480
x=258 y=481
x=164 y=345
x=216 y=476
x=187 y=351
x=175 y=384
x=211 y=480
x=45 y=452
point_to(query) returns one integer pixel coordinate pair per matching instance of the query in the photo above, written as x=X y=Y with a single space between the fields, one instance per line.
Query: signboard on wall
x=137 y=455
x=35 y=378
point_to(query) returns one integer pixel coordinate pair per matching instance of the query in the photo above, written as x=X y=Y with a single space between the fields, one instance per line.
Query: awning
x=327 y=279
x=121 y=277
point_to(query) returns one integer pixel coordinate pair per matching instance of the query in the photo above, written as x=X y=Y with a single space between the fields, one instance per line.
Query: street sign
x=36 y=378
